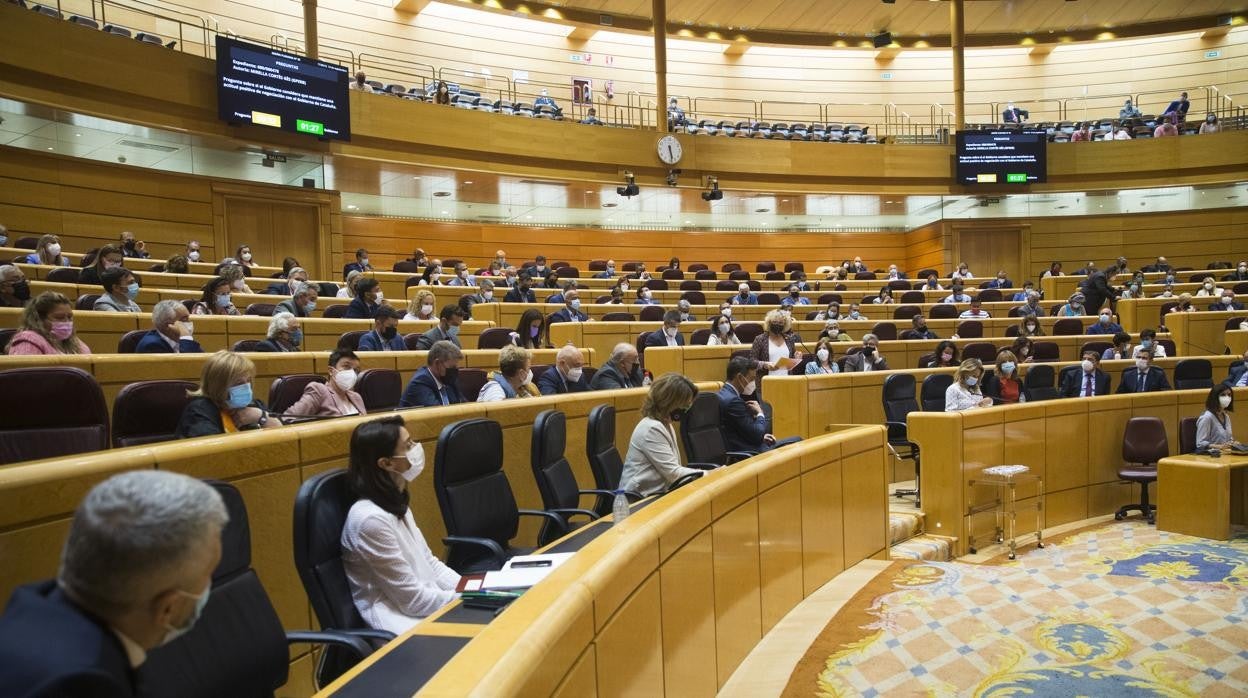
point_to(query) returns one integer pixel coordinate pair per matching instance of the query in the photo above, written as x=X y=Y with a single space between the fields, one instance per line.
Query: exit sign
x=886 y=76
x=1213 y=54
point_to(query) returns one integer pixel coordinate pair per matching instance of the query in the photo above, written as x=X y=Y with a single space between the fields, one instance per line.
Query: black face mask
x=389 y=333
x=745 y=294
x=22 y=291
x=868 y=351
x=776 y=328
x=450 y=375
x=795 y=294
x=129 y=244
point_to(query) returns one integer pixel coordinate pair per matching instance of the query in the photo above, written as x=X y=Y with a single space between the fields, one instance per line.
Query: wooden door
x=989 y=249
x=274 y=230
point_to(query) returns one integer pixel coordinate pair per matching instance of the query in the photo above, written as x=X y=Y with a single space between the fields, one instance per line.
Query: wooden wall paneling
x=738 y=622
x=629 y=648
x=780 y=549
x=823 y=528
x=688 y=636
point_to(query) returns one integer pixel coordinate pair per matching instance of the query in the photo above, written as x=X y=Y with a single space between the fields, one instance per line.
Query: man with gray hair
x=567 y=375
x=302 y=300
x=622 y=370
x=284 y=334
x=135 y=574
x=172 y=331
x=868 y=358
x=14 y=290
x=436 y=384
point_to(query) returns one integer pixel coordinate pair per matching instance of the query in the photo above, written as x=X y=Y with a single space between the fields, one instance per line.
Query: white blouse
x=958 y=398
x=774 y=354
x=653 y=460
x=714 y=341
x=395 y=578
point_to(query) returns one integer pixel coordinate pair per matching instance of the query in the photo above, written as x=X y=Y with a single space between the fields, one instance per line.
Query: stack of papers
x=523 y=571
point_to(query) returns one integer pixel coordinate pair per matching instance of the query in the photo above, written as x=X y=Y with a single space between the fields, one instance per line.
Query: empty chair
x=697 y=267
x=825 y=298
x=694 y=297
x=146 y=412
x=149 y=38
x=943 y=311
x=739 y=275
x=619 y=317
x=650 y=313
x=769 y=299
x=1098 y=347
x=700 y=337
x=705 y=275
x=496 y=338
x=989 y=295
x=118 y=30
x=747 y=331
x=50 y=411
x=286 y=390
x=906 y=312
x=790 y=267
x=45 y=10
x=129 y=341
x=899 y=402
x=1068 y=326
x=380 y=388
x=6 y=336
x=656 y=285
x=244 y=345
x=568 y=273
x=475 y=498
x=932 y=393
x=338 y=310
x=351 y=340
x=1046 y=351
x=699 y=432
x=1039 y=381
x=470 y=381
x=673 y=274
x=885 y=331
x=725 y=285
x=970 y=329
x=597 y=265
x=254 y=657
x=84 y=21
x=321 y=508
x=86 y=301
x=984 y=351
x=262 y=309
x=555 y=480
x=1190 y=374
x=774 y=275
x=64 y=275
x=1187 y=435
x=1143 y=444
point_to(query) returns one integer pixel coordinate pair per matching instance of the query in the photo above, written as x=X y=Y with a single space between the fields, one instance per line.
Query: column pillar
x=957 y=36
x=310 y=37
x=659 y=12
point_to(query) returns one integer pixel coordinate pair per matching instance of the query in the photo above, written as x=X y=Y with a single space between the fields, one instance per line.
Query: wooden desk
x=1202 y=496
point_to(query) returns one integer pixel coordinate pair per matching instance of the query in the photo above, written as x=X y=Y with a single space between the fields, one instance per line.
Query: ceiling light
x=445 y=213
x=468 y=182
x=352 y=207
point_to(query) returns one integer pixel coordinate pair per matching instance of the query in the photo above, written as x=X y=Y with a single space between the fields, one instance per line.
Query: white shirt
x=974 y=314
x=774 y=354
x=959 y=398
x=491 y=392
x=714 y=341
x=653 y=460
x=395 y=579
x=1159 y=350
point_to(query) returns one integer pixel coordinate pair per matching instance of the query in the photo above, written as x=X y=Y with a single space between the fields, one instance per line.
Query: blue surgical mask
x=132 y=291
x=309 y=307
x=1008 y=367
x=1146 y=344
x=239 y=396
x=971 y=381
x=453 y=330
x=223 y=300
x=296 y=337
x=200 y=602
x=576 y=304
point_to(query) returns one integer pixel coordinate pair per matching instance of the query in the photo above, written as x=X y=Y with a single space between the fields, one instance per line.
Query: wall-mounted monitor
x=1001 y=157
x=266 y=87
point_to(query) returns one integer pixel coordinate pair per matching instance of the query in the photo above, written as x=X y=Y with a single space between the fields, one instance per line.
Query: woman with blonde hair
x=224 y=403
x=238 y=280
x=965 y=393
x=421 y=306
x=48 y=251
x=653 y=461
x=778 y=342
x=47 y=328
x=513 y=378
x=347 y=290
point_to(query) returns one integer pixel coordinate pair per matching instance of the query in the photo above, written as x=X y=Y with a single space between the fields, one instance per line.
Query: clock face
x=669 y=150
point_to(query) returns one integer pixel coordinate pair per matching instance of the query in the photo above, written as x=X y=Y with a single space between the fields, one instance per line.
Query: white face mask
x=724 y=328
x=193 y=255
x=380 y=296
x=823 y=355
x=345 y=379
x=574 y=374
x=528 y=377
x=54 y=249
x=670 y=331
x=749 y=388
x=238 y=284
x=426 y=309
x=1227 y=300
x=200 y=602
x=1141 y=364
x=416 y=461
x=726 y=312
x=364 y=262
x=1224 y=400
x=1088 y=366
x=1104 y=319
x=488 y=295
x=246 y=256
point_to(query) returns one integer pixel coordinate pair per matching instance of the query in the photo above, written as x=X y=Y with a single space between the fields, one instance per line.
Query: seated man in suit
x=920 y=330
x=1228 y=302
x=302 y=300
x=484 y=294
x=447 y=329
x=360 y=264
x=1160 y=265
x=669 y=335
x=435 y=384
x=522 y=292
x=744 y=424
x=1104 y=324
x=609 y=273
x=894 y=274
x=571 y=310
x=135 y=574
x=869 y=359
x=385 y=333
x=171 y=331
x=1238 y=377
x=1145 y=377
x=622 y=370
x=1089 y=381
x=1014 y=115
x=284 y=287
x=744 y=297
x=285 y=334
x=567 y=375
x=1178 y=108
x=1002 y=281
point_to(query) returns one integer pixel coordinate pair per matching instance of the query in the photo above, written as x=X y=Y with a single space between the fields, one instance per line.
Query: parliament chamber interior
x=613 y=348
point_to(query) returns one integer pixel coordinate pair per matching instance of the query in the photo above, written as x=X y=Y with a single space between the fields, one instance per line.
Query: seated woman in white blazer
x=653 y=460
x=395 y=578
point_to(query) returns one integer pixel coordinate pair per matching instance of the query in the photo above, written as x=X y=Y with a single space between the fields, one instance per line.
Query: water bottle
x=619 y=509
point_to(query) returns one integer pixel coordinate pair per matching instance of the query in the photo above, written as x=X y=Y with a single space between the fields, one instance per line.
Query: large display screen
x=1001 y=157
x=266 y=87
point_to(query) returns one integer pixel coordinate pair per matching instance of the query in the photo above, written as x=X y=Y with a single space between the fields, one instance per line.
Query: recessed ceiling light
x=78 y=135
x=589 y=191
x=468 y=182
x=784 y=201
x=49 y=147
x=688 y=222
x=528 y=218
x=352 y=207
x=445 y=213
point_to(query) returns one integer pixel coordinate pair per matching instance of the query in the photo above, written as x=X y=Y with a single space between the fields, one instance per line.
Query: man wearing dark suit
x=571 y=310
x=609 y=272
x=435 y=384
x=302 y=300
x=1240 y=273
x=86 y=633
x=566 y=376
x=367 y=300
x=171 y=332
x=447 y=329
x=1178 y=108
x=360 y=264
x=1002 y=281
x=522 y=291
x=622 y=370
x=1096 y=290
x=869 y=359
x=1160 y=265
x=1014 y=115
x=1144 y=378
x=385 y=333
x=669 y=335
x=1089 y=381
x=1238 y=377
x=1227 y=303
x=744 y=424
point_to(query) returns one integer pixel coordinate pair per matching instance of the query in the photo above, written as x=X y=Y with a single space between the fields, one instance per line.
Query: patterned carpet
x=1119 y=610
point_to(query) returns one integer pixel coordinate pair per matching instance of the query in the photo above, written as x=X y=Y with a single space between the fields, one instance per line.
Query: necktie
x=1087 y=386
